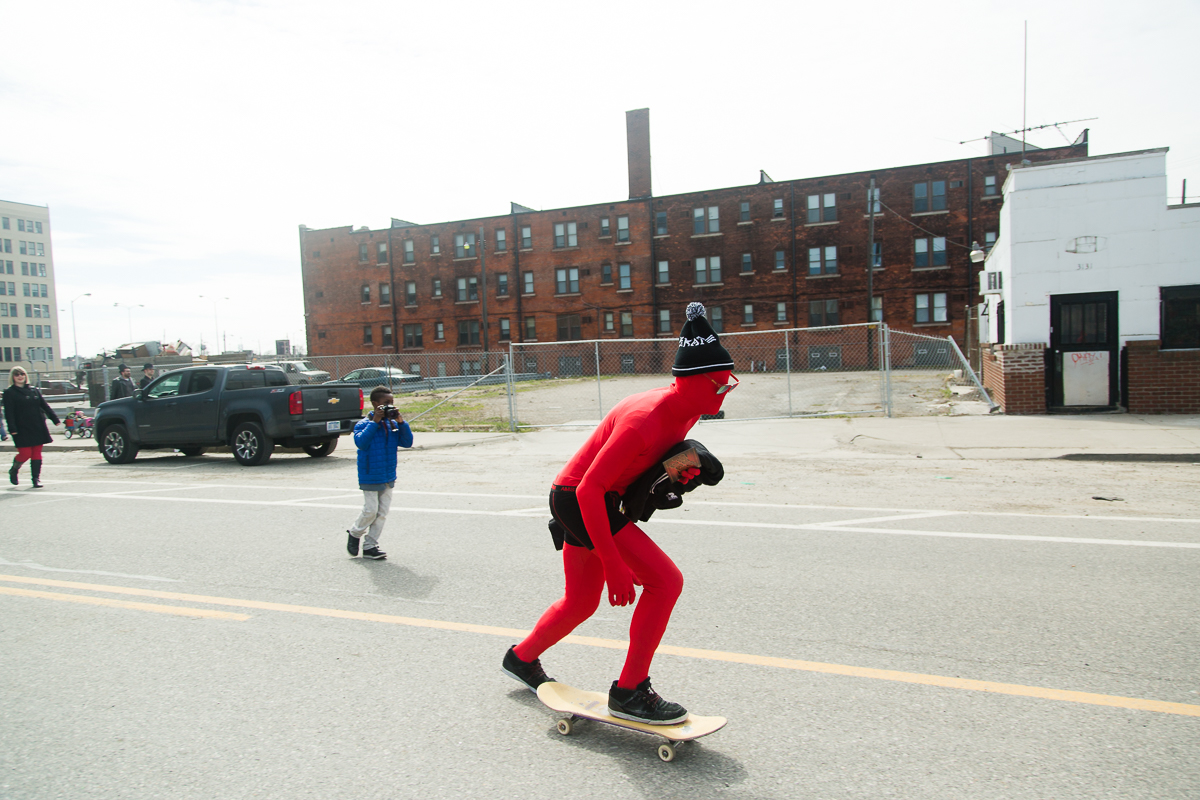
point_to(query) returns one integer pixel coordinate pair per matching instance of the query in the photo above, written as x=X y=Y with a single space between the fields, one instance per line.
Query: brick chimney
x=637 y=135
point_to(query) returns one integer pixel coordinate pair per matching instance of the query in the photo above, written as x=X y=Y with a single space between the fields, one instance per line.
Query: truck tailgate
x=329 y=401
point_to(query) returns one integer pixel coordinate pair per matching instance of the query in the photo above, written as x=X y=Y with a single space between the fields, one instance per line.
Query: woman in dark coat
x=25 y=411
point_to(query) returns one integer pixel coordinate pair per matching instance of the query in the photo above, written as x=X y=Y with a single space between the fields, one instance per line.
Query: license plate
x=333 y=426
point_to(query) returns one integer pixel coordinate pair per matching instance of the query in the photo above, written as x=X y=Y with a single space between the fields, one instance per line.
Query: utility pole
x=870 y=269
x=483 y=287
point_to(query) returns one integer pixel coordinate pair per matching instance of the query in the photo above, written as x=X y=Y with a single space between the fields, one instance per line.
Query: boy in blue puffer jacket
x=377 y=439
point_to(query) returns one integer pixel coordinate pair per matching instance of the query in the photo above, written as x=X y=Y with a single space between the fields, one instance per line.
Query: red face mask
x=700 y=392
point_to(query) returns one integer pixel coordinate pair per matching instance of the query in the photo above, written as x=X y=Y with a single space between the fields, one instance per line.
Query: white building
x=29 y=330
x=1090 y=258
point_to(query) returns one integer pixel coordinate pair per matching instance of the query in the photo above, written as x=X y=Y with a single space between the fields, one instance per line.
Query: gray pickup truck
x=249 y=408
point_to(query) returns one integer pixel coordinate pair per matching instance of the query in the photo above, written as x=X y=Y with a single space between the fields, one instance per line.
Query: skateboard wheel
x=564 y=727
x=666 y=752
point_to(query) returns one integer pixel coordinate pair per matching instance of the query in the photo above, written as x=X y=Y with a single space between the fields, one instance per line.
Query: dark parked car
x=370 y=377
x=58 y=387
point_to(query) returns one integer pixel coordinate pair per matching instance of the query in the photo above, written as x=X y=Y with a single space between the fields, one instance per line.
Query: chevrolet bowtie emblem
x=334 y=400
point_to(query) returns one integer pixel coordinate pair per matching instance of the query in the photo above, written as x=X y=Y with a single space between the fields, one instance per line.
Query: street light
x=216 y=321
x=129 y=307
x=74 y=330
x=977 y=253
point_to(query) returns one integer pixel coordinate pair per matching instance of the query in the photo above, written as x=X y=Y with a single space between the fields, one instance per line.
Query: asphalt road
x=186 y=628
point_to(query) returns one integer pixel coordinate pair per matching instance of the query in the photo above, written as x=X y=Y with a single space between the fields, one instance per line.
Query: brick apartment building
x=775 y=254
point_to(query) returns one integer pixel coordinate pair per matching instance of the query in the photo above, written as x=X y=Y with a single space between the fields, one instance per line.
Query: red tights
x=661 y=582
x=26 y=453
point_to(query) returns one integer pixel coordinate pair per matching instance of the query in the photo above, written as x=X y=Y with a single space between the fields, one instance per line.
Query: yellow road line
x=207 y=613
x=1018 y=690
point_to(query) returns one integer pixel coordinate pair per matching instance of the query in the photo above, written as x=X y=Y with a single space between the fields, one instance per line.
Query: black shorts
x=567 y=524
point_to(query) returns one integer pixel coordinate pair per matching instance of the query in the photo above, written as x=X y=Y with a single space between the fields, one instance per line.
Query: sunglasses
x=722 y=388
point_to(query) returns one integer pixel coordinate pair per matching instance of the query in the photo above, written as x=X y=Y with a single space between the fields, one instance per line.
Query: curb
x=81 y=447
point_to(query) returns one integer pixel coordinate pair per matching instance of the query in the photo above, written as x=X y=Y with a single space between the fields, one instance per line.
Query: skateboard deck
x=594 y=705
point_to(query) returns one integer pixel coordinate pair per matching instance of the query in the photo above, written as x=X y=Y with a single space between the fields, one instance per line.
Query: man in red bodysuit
x=603 y=547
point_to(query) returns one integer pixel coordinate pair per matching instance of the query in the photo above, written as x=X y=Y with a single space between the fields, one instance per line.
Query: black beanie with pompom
x=700 y=350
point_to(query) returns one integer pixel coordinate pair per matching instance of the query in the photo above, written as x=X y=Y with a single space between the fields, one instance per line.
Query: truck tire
x=251 y=447
x=115 y=445
x=321 y=449
x=192 y=452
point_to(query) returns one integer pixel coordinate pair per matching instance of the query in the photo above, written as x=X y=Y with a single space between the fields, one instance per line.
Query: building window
x=502 y=284
x=716 y=319
x=995 y=281
x=464 y=245
x=744 y=211
x=364 y=252
x=385 y=294
x=526 y=237
x=706 y=220
x=822 y=260
x=622 y=229
x=381 y=255
x=929 y=252
x=989 y=239
x=410 y=254
x=468 y=332
x=410 y=293
x=564 y=235
x=1180 y=317
x=874 y=199
x=822 y=312
x=365 y=292
x=822 y=207
x=663 y=276
x=931 y=308
x=569 y=328
x=387 y=336
x=624 y=277
x=566 y=280
x=989 y=186
x=777 y=208
x=780 y=263
x=660 y=223
x=747 y=263
x=6 y=227
x=781 y=312
x=877 y=255
x=929 y=196
x=501 y=240
x=627 y=324
x=605 y=274
x=608 y=321
x=439 y=331
x=437 y=287
x=435 y=245
x=468 y=289
x=664 y=320
x=367 y=334
x=708 y=270
x=877 y=309
x=605 y=228
x=527 y=283
x=530 y=329
x=748 y=314
x=504 y=329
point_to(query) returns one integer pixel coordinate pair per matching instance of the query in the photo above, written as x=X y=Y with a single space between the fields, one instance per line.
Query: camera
x=389 y=412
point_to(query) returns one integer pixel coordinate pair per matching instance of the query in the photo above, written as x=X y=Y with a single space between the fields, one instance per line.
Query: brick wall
x=1015 y=374
x=1163 y=381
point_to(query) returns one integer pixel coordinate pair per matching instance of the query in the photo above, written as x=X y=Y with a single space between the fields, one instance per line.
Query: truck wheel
x=116 y=447
x=251 y=447
x=192 y=452
x=321 y=449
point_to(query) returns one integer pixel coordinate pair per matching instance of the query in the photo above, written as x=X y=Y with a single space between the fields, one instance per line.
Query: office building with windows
x=768 y=255
x=29 y=330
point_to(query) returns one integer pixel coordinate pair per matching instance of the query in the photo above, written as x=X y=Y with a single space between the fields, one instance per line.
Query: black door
x=1081 y=371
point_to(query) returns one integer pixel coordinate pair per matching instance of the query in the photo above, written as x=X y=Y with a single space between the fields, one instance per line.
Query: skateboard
x=594 y=705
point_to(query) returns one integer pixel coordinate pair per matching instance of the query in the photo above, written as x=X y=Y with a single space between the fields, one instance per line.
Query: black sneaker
x=375 y=553
x=352 y=544
x=643 y=705
x=529 y=673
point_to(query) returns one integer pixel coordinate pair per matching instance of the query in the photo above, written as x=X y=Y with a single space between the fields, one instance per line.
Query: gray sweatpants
x=369 y=524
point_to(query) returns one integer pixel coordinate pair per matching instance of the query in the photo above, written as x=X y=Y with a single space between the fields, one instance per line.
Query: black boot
x=35 y=467
x=12 y=472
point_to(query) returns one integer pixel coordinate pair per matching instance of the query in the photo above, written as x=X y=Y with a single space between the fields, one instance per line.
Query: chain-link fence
x=843 y=370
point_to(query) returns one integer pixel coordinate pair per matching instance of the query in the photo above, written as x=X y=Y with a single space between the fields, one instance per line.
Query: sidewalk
x=1133 y=437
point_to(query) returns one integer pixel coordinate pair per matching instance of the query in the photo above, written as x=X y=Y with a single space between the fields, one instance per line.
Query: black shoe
x=12 y=472
x=35 y=471
x=529 y=673
x=643 y=705
x=352 y=544
x=375 y=553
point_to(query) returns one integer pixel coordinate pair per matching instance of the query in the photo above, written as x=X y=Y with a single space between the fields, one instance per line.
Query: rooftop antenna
x=1025 y=92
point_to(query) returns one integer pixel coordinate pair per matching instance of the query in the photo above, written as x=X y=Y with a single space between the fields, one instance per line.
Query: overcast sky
x=179 y=145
